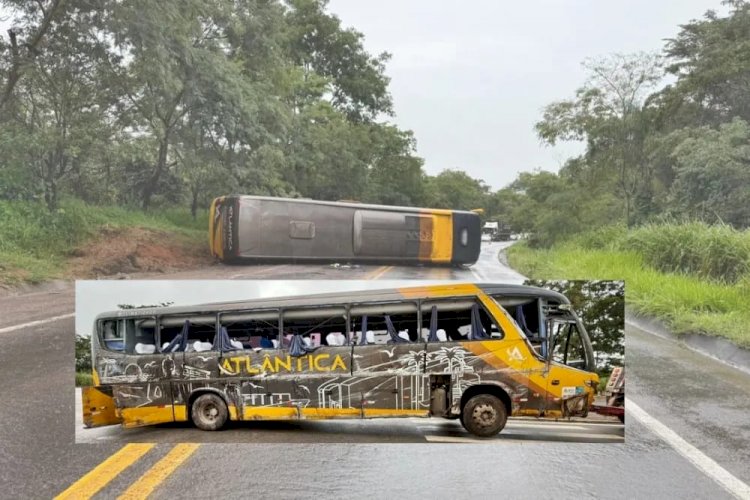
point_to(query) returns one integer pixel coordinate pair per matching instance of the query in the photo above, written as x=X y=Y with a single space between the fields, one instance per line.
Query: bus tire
x=209 y=412
x=484 y=415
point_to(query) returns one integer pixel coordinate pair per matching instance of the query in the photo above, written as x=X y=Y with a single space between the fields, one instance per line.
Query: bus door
x=388 y=361
x=320 y=350
x=141 y=391
x=251 y=369
x=567 y=394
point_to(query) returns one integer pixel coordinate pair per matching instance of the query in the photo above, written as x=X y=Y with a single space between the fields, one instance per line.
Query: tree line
x=147 y=104
x=667 y=137
x=150 y=103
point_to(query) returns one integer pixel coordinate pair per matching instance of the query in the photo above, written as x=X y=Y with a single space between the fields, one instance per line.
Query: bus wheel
x=209 y=412
x=484 y=415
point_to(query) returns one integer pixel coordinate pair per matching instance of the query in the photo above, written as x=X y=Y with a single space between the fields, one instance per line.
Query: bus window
x=253 y=330
x=201 y=331
x=568 y=347
x=130 y=336
x=454 y=321
x=113 y=339
x=386 y=323
x=318 y=327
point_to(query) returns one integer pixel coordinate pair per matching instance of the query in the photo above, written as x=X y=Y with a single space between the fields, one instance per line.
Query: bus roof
x=332 y=298
x=351 y=204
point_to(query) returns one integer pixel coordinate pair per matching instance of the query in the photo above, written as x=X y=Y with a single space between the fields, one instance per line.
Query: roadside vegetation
x=84 y=375
x=693 y=276
x=37 y=245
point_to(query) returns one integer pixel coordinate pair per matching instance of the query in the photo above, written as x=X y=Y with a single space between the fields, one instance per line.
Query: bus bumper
x=98 y=406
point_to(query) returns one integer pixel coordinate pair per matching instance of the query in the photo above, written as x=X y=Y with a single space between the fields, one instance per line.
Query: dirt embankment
x=120 y=251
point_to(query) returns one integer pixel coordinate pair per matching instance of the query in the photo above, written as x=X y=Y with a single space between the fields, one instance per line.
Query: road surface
x=687 y=432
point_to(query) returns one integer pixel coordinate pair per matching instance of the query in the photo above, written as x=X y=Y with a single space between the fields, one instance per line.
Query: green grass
x=84 y=379
x=34 y=243
x=687 y=303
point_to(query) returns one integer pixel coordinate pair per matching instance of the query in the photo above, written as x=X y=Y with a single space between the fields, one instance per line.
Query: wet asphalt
x=700 y=399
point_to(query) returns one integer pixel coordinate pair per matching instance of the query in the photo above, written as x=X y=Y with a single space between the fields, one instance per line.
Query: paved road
x=687 y=429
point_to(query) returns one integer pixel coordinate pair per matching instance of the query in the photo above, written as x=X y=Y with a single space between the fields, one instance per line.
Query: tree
x=713 y=174
x=611 y=113
x=37 y=18
x=456 y=190
x=711 y=60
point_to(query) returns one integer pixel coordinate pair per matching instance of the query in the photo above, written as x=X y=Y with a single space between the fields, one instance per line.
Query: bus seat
x=265 y=343
x=441 y=335
x=307 y=341
x=145 y=348
x=199 y=346
x=236 y=344
x=315 y=338
x=275 y=343
x=370 y=337
x=254 y=342
x=404 y=335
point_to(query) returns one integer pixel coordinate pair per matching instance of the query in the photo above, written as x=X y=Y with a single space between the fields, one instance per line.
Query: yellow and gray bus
x=266 y=228
x=476 y=352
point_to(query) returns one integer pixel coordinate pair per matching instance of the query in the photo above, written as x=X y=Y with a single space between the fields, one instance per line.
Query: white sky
x=471 y=78
x=97 y=296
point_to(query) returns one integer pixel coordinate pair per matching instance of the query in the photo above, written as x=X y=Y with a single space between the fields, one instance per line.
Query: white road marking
x=35 y=323
x=700 y=460
x=506 y=437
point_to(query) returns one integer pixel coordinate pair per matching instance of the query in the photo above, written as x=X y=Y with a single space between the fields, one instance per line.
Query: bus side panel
x=98 y=406
x=141 y=387
x=388 y=380
x=320 y=231
x=248 y=228
x=387 y=235
x=319 y=383
x=274 y=229
x=467 y=238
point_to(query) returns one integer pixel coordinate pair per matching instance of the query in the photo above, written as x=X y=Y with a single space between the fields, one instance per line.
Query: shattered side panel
x=141 y=386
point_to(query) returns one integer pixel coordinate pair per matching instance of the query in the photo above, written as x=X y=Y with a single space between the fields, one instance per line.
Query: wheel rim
x=484 y=415
x=210 y=412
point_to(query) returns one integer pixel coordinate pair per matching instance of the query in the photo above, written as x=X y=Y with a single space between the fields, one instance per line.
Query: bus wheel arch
x=208 y=409
x=490 y=400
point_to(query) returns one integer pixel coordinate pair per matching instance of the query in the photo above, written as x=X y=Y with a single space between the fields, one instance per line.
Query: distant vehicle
x=266 y=228
x=496 y=231
x=476 y=352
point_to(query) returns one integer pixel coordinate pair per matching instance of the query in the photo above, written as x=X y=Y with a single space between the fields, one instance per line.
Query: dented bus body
x=481 y=353
x=267 y=228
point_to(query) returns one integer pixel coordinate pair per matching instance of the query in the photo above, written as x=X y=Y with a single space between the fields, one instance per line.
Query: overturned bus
x=266 y=228
x=479 y=353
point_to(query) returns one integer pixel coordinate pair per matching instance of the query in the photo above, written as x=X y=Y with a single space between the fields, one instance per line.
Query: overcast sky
x=94 y=297
x=471 y=78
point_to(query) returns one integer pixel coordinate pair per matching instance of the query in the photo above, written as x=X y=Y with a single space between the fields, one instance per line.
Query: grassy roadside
x=685 y=302
x=36 y=245
x=84 y=379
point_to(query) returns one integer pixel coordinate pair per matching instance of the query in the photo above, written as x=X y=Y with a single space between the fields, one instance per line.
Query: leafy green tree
x=611 y=113
x=455 y=189
x=713 y=174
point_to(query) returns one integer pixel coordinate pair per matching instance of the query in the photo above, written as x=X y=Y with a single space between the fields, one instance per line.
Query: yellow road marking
x=99 y=476
x=161 y=470
x=378 y=273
